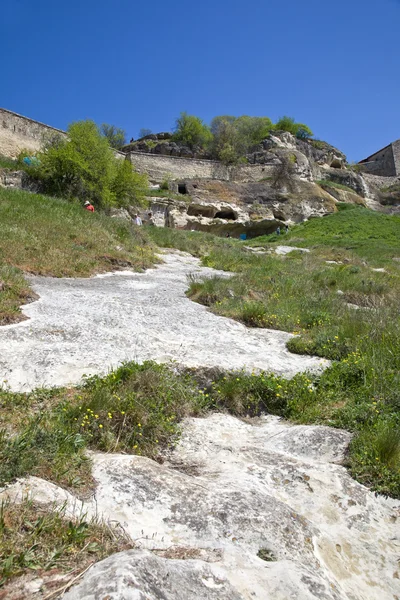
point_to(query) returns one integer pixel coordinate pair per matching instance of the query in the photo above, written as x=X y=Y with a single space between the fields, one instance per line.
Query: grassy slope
x=137 y=408
x=369 y=235
x=299 y=293
x=47 y=236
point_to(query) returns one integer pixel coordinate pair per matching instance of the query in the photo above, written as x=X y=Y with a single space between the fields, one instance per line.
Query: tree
x=234 y=136
x=83 y=165
x=116 y=137
x=252 y=130
x=143 y=132
x=192 y=131
x=297 y=129
x=128 y=186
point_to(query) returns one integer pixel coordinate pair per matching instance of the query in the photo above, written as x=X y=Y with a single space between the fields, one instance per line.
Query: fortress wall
x=159 y=167
x=396 y=156
x=18 y=133
x=381 y=163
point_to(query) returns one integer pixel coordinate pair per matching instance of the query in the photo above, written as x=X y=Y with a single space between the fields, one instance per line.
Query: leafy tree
x=84 y=165
x=192 y=131
x=303 y=131
x=225 y=143
x=128 y=186
x=297 y=129
x=116 y=137
x=234 y=136
x=143 y=132
x=252 y=130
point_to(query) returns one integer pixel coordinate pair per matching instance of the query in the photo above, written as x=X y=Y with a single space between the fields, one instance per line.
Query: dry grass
x=39 y=542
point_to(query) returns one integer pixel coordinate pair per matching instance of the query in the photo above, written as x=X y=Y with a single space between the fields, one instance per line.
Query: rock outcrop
x=138 y=316
x=239 y=510
x=251 y=208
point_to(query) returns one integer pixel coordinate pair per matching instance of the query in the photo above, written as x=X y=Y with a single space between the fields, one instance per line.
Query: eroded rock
x=248 y=510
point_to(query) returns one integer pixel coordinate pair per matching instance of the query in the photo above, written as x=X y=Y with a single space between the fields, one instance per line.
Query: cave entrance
x=182 y=189
x=229 y=215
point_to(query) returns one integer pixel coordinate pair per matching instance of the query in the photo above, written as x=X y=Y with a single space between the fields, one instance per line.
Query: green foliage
x=7 y=163
x=116 y=137
x=50 y=236
x=299 y=293
x=128 y=186
x=333 y=184
x=84 y=166
x=297 y=129
x=234 y=136
x=191 y=131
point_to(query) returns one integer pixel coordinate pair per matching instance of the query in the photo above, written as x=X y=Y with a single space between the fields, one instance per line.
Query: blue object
x=27 y=160
x=243 y=236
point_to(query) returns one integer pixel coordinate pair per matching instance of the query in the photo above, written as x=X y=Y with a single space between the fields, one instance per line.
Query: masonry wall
x=159 y=167
x=396 y=156
x=18 y=133
x=382 y=162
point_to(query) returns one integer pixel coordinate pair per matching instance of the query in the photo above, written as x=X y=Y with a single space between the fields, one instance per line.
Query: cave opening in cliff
x=229 y=215
x=182 y=189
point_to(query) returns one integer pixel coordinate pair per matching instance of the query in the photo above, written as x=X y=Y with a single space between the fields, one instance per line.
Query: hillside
x=48 y=236
x=248 y=428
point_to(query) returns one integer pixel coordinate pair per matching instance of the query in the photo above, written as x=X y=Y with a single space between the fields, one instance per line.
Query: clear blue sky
x=333 y=65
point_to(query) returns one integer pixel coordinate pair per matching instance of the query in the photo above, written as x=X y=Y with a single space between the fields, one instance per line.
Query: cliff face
x=286 y=181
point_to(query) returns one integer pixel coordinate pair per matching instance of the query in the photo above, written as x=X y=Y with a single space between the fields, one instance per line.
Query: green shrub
x=297 y=129
x=191 y=130
x=84 y=166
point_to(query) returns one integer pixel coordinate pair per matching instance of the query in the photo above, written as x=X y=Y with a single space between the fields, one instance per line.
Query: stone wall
x=19 y=133
x=159 y=167
x=382 y=162
x=396 y=156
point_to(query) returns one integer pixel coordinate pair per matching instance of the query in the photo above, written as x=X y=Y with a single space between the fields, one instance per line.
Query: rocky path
x=85 y=326
x=239 y=511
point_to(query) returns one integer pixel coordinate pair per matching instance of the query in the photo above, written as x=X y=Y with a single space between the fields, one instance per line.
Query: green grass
x=333 y=184
x=165 y=193
x=47 y=236
x=8 y=163
x=41 y=539
x=299 y=293
x=352 y=231
x=134 y=409
x=138 y=408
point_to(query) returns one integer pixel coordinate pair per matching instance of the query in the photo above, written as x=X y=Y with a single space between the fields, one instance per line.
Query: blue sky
x=332 y=65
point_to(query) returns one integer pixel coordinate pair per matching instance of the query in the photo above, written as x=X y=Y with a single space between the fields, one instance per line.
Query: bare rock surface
x=242 y=511
x=85 y=326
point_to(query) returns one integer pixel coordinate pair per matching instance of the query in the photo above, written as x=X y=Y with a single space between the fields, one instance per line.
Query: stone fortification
x=160 y=167
x=21 y=133
x=385 y=162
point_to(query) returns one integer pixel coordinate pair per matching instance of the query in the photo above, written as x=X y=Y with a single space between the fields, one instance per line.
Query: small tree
x=116 y=137
x=128 y=186
x=192 y=131
x=297 y=129
x=83 y=165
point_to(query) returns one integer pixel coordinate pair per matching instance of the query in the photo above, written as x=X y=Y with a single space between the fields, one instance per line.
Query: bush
x=84 y=166
x=297 y=129
x=191 y=130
